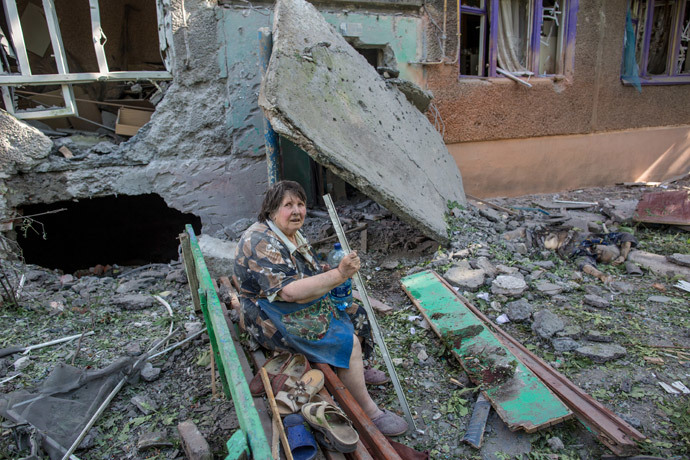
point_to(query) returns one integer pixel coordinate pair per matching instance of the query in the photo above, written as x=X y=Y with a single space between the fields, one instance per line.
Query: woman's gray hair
x=275 y=194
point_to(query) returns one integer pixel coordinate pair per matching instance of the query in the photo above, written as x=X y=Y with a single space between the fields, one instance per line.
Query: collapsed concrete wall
x=188 y=153
x=320 y=93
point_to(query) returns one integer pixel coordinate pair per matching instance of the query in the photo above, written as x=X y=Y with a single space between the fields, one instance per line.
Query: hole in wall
x=123 y=230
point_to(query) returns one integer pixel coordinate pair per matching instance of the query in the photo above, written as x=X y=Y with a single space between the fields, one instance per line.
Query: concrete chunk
x=320 y=93
x=601 y=352
x=21 y=146
x=546 y=324
x=464 y=277
x=596 y=301
x=658 y=264
x=511 y=286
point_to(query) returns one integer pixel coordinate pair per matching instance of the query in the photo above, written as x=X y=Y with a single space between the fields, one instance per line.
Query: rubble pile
x=625 y=342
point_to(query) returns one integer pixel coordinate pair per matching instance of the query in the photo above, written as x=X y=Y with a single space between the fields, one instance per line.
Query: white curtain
x=513 y=34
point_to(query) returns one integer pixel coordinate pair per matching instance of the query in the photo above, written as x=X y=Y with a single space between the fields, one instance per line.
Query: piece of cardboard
x=130 y=120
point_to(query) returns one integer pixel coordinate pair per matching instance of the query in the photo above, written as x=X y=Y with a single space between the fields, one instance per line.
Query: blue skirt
x=316 y=329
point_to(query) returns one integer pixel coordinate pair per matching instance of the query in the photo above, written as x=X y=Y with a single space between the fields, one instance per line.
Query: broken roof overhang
x=320 y=93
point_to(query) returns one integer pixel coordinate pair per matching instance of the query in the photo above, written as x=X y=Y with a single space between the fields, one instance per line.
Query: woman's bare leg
x=353 y=379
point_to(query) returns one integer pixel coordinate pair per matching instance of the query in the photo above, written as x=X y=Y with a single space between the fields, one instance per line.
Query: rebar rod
x=378 y=338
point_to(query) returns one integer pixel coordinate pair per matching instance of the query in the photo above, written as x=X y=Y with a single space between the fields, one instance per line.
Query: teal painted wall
x=403 y=34
x=238 y=60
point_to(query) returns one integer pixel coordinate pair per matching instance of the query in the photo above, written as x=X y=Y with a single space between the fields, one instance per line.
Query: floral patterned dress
x=265 y=262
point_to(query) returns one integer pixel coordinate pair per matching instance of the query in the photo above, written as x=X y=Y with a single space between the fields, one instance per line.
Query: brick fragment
x=194 y=444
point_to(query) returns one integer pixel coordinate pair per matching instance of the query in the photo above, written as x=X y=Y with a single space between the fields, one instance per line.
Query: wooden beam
x=276 y=415
x=368 y=432
x=259 y=402
x=491 y=205
x=190 y=269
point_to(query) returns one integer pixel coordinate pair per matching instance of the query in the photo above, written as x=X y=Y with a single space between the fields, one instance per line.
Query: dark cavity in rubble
x=124 y=230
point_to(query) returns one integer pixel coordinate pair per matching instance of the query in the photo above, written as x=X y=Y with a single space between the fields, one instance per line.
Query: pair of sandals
x=279 y=369
x=297 y=393
x=333 y=430
x=295 y=386
x=293 y=381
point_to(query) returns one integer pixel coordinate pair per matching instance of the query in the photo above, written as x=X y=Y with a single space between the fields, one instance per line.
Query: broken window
x=58 y=58
x=662 y=33
x=523 y=37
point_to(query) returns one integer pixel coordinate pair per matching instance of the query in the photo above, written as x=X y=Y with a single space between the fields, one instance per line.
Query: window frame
x=672 y=77
x=8 y=81
x=490 y=12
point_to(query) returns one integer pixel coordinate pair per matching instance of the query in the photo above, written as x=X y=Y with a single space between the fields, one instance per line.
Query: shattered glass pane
x=551 y=38
x=683 y=67
x=472 y=45
x=661 y=29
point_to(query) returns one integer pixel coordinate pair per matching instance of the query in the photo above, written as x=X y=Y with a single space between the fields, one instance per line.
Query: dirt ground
x=643 y=314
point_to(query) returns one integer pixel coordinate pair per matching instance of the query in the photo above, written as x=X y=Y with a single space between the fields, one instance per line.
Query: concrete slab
x=658 y=264
x=320 y=93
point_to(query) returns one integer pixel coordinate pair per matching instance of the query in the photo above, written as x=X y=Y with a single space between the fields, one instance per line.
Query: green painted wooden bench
x=250 y=439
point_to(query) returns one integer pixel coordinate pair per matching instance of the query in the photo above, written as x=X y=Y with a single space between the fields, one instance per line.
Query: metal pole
x=273 y=158
x=378 y=338
x=109 y=398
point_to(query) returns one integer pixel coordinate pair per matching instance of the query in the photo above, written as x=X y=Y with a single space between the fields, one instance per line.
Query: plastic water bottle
x=340 y=295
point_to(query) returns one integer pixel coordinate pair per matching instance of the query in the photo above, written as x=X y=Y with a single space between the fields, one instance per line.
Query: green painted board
x=251 y=432
x=518 y=396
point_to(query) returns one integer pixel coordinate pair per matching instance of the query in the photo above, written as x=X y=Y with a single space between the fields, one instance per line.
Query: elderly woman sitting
x=285 y=303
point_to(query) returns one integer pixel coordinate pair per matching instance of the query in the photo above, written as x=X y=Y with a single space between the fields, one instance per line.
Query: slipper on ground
x=300 y=438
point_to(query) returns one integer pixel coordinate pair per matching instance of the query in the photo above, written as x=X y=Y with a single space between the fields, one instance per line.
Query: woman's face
x=289 y=217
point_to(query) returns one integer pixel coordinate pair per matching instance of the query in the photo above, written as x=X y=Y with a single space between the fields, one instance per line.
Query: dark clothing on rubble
x=582 y=247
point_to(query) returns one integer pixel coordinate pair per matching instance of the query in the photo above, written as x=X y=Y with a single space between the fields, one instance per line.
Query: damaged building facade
x=528 y=95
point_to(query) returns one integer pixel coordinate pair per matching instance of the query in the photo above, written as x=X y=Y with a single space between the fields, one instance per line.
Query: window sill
x=659 y=81
x=534 y=80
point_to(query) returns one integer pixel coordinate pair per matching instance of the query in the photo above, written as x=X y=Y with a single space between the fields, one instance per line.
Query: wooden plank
x=518 y=396
x=259 y=402
x=492 y=205
x=369 y=434
x=190 y=269
x=611 y=430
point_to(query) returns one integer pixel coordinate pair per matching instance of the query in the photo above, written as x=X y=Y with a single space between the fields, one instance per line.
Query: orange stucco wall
x=554 y=163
